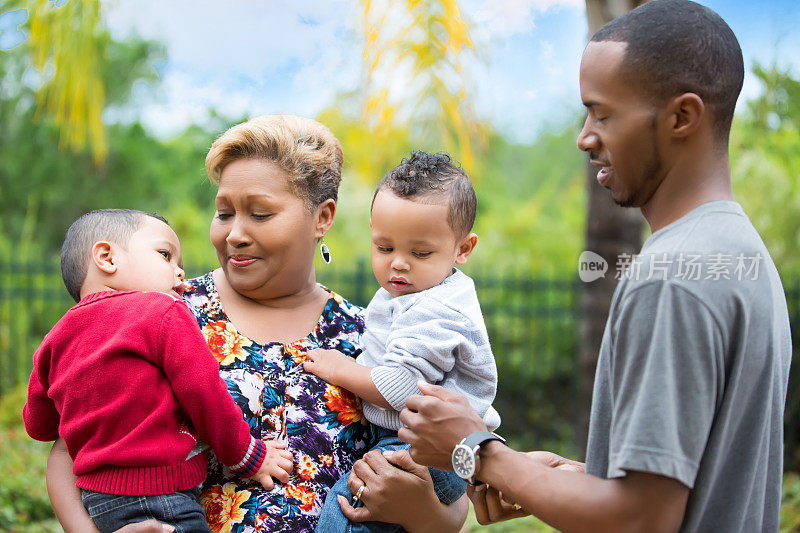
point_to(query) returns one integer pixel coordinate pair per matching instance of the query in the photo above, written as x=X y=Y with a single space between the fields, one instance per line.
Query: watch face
x=463 y=462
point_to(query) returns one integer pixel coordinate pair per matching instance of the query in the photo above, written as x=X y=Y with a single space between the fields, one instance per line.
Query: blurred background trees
x=62 y=155
x=63 y=151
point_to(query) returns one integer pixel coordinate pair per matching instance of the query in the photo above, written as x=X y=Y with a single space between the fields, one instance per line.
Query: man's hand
x=277 y=464
x=435 y=423
x=556 y=461
x=493 y=506
x=327 y=364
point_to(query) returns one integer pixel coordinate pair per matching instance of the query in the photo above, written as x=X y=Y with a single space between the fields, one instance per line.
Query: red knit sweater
x=127 y=380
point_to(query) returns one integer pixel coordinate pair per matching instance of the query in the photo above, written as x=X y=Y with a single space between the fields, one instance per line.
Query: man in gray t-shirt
x=686 y=420
x=693 y=369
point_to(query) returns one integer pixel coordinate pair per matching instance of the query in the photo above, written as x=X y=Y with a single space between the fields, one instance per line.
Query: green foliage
x=765 y=162
x=532 y=201
x=531 y=198
x=790 y=507
x=45 y=188
x=23 y=496
x=526 y=524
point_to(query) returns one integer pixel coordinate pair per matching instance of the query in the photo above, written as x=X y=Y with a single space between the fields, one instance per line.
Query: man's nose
x=588 y=141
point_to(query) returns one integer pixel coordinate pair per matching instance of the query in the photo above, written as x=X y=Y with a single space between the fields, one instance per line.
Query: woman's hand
x=393 y=483
x=65 y=497
x=490 y=506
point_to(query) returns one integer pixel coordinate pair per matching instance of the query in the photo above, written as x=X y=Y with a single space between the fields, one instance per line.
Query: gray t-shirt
x=693 y=368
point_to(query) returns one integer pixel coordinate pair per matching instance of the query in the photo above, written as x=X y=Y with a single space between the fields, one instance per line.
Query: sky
x=248 y=57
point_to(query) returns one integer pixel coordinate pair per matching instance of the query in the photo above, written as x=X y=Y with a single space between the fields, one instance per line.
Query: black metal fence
x=533 y=325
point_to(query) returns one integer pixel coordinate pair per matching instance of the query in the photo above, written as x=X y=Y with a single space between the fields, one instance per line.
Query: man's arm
x=574 y=501
x=567 y=500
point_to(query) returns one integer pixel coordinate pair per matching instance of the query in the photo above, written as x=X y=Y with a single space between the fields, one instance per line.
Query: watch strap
x=474 y=440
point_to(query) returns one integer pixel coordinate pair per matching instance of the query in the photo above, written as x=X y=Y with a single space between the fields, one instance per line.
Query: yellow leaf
x=68 y=40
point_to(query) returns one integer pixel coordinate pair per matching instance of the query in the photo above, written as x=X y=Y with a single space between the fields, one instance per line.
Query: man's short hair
x=113 y=225
x=425 y=177
x=679 y=46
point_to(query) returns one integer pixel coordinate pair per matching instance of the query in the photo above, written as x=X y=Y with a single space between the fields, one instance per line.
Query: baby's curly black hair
x=425 y=176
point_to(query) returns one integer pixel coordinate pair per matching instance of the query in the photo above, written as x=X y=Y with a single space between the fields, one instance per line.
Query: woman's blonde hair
x=304 y=148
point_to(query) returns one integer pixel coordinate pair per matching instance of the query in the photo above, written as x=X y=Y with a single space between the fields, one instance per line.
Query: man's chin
x=620 y=199
x=625 y=202
x=624 y=198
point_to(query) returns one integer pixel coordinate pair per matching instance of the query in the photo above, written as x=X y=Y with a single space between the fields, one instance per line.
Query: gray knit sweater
x=436 y=335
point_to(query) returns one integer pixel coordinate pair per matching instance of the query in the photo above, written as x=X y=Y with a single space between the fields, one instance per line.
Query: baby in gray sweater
x=425 y=322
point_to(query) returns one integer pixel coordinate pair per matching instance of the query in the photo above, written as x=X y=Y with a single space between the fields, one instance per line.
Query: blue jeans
x=448 y=487
x=180 y=509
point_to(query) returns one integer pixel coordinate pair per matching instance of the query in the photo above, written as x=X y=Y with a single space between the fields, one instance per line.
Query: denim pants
x=448 y=487
x=180 y=509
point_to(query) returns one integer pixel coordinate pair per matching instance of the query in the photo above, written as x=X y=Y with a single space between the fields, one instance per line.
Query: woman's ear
x=323 y=217
x=103 y=257
x=687 y=112
x=465 y=248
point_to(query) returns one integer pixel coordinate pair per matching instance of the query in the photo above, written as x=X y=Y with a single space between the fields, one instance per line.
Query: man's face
x=620 y=132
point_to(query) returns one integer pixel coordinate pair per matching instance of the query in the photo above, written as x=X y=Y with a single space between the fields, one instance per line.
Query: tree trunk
x=610 y=231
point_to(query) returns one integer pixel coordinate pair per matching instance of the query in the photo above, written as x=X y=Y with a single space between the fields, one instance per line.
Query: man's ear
x=465 y=248
x=103 y=257
x=323 y=216
x=686 y=113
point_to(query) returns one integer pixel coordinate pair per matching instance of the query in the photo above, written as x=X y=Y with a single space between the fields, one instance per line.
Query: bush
x=23 y=495
x=790 y=506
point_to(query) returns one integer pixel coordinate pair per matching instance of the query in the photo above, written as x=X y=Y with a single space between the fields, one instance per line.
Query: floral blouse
x=322 y=424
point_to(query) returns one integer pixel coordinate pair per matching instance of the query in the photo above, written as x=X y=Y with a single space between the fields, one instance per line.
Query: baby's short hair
x=115 y=225
x=426 y=176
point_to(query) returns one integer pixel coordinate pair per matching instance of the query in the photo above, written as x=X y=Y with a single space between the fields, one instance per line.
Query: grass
x=527 y=524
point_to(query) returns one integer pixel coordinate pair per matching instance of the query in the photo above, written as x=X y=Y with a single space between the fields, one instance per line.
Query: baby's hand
x=277 y=464
x=326 y=364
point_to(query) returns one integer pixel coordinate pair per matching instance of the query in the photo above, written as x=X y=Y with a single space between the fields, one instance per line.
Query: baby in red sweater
x=127 y=380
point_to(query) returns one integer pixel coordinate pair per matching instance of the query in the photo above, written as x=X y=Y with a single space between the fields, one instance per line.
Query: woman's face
x=264 y=234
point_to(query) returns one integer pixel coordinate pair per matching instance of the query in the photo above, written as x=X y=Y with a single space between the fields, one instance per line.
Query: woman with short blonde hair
x=304 y=148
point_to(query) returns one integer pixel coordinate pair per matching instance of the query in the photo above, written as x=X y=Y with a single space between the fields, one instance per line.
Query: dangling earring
x=326 y=254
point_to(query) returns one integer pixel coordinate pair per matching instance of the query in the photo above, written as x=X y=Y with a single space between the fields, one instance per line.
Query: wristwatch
x=465 y=454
